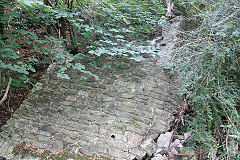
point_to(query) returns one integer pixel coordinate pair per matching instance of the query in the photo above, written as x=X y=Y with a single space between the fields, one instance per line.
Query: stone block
x=164 y=140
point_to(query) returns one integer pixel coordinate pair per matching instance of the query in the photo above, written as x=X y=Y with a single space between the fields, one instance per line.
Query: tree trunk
x=1 y=15
x=62 y=27
x=169 y=8
x=174 y=9
x=48 y=3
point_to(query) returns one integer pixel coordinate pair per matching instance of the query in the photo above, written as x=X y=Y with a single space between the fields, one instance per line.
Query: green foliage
x=209 y=66
x=10 y=62
x=96 y=28
x=143 y=16
x=116 y=26
x=196 y=6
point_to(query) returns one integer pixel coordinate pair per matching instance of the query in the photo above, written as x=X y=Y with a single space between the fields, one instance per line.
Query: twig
x=185 y=154
x=48 y=3
x=202 y=81
x=232 y=66
x=197 y=9
x=169 y=146
x=232 y=123
x=227 y=146
x=190 y=157
x=6 y=92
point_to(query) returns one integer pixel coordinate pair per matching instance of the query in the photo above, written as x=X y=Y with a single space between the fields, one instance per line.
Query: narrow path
x=113 y=117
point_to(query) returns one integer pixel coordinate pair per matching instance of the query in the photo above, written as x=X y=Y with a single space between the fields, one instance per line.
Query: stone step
x=5 y=148
x=95 y=123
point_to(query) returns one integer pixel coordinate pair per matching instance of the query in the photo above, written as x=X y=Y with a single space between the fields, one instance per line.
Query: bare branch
x=169 y=8
x=48 y=3
x=6 y=92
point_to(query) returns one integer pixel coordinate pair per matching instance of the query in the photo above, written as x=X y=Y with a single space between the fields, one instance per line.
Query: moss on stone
x=22 y=111
x=135 y=124
x=105 y=157
x=24 y=150
x=133 y=120
x=65 y=144
x=121 y=129
x=154 y=141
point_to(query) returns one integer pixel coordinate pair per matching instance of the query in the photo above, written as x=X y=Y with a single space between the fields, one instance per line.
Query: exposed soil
x=17 y=95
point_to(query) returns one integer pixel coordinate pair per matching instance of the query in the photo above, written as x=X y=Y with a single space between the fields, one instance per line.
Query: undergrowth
x=84 y=28
x=208 y=64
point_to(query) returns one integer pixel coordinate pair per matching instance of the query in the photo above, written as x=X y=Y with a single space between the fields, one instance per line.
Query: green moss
x=23 y=111
x=45 y=154
x=188 y=150
x=133 y=120
x=154 y=142
x=21 y=148
x=139 y=148
x=63 y=156
x=65 y=144
x=122 y=130
x=135 y=123
x=24 y=150
x=137 y=126
x=105 y=157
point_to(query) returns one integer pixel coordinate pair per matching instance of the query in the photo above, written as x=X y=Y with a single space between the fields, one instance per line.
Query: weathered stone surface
x=112 y=116
x=149 y=145
x=160 y=157
x=164 y=140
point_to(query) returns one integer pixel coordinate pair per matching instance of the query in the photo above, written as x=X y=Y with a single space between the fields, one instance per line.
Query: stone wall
x=118 y=116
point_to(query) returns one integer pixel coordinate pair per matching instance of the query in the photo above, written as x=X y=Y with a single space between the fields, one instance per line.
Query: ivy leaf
x=138 y=58
x=62 y=68
x=48 y=9
x=78 y=66
x=92 y=52
x=31 y=68
x=114 y=30
x=101 y=51
x=62 y=75
x=32 y=59
x=119 y=36
x=107 y=66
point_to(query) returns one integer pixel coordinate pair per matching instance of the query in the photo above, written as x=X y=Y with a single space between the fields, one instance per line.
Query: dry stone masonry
x=119 y=116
